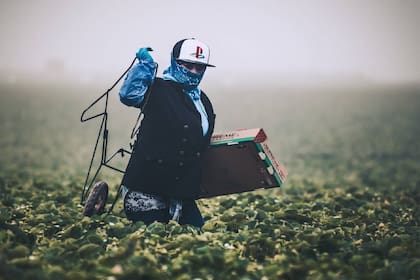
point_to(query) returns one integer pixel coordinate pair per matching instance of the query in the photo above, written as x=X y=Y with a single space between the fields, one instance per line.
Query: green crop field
x=349 y=209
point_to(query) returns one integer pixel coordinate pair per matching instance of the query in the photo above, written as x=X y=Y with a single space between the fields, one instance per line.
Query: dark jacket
x=166 y=158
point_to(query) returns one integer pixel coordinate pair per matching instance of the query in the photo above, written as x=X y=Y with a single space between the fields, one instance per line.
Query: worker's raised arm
x=138 y=79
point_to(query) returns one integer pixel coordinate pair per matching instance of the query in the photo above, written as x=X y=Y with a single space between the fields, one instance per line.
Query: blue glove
x=143 y=54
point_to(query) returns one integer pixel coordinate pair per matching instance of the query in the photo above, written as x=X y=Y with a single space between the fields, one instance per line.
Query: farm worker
x=162 y=179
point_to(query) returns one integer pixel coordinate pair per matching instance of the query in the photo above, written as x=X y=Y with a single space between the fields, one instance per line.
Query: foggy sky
x=374 y=39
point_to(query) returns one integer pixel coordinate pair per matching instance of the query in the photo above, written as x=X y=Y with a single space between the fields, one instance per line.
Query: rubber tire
x=95 y=204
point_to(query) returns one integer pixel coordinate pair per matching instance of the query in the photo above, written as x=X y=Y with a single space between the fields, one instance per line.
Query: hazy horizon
x=250 y=42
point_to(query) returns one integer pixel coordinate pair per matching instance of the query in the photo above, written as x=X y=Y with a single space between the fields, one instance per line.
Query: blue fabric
x=204 y=118
x=190 y=80
x=175 y=208
x=143 y=54
x=182 y=75
x=137 y=82
x=141 y=76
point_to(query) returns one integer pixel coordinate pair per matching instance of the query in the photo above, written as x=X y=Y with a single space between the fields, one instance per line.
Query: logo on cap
x=198 y=53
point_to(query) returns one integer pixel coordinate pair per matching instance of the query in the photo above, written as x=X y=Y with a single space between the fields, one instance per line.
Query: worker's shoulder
x=162 y=84
x=204 y=97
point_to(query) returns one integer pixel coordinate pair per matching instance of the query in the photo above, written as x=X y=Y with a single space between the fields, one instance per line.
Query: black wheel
x=96 y=201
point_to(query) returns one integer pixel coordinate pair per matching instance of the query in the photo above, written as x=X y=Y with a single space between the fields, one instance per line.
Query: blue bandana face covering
x=190 y=80
x=179 y=74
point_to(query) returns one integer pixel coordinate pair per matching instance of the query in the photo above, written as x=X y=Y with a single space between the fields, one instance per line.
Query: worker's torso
x=167 y=154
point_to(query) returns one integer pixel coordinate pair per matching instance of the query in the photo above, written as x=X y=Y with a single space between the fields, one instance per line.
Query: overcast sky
x=376 y=39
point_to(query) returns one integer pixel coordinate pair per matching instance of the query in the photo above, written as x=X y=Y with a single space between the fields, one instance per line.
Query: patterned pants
x=149 y=208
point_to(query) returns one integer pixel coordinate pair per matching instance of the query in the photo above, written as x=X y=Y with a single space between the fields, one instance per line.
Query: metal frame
x=104 y=133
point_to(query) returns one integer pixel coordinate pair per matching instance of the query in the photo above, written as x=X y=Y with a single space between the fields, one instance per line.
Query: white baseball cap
x=193 y=51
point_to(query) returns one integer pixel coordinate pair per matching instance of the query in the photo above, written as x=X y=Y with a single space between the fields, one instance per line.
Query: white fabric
x=194 y=51
x=138 y=201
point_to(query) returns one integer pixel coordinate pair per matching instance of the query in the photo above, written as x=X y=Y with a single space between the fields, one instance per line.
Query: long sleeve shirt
x=138 y=80
x=136 y=83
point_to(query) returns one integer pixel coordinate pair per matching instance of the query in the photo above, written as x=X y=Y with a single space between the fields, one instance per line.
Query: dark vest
x=166 y=158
